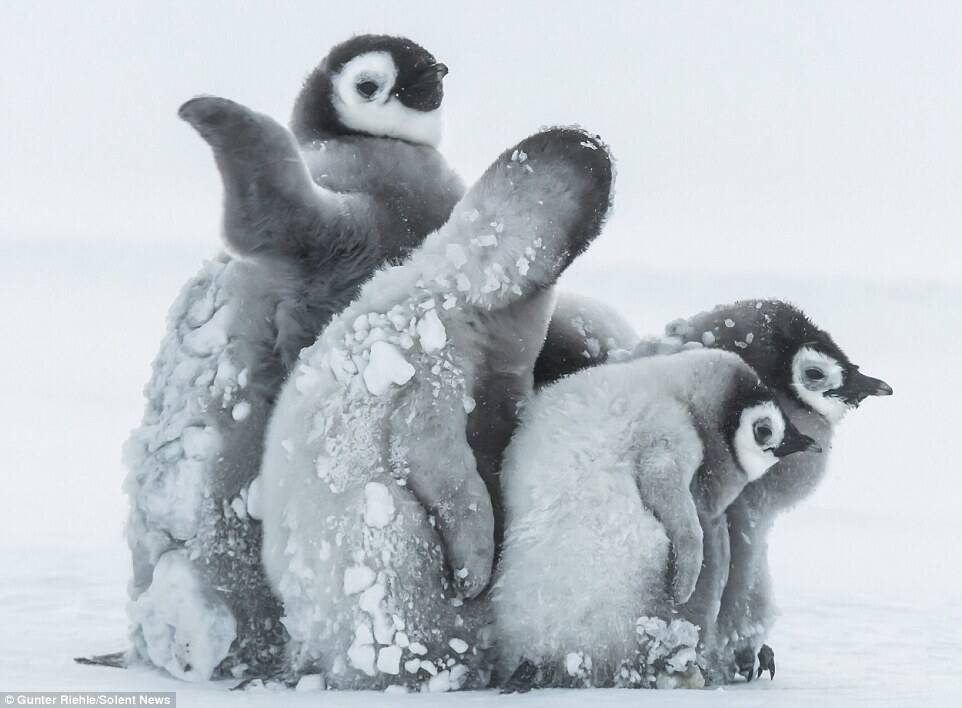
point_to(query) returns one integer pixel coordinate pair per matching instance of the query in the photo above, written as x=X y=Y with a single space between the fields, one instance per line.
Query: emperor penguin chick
x=816 y=384
x=378 y=522
x=308 y=217
x=594 y=512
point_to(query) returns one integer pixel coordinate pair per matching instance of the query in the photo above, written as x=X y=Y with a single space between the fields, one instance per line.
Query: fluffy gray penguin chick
x=307 y=218
x=594 y=511
x=816 y=384
x=378 y=523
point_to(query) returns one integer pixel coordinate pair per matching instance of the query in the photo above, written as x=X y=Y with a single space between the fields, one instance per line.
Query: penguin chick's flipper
x=272 y=205
x=117 y=660
x=444 y=478
x=766 y=661
x=664 y=469
x=529 y=215
x=523 y=679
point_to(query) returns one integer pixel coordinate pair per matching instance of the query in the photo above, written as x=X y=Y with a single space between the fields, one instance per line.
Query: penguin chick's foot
x=284 y=678
x=117 y=660
x=766 y=661
x=745 y=662
x=523 y=679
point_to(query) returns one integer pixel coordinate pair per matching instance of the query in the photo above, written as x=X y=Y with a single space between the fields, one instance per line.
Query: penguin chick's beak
x=868 y=386
x=858 y=387
x=795 y=441
x=423 y=92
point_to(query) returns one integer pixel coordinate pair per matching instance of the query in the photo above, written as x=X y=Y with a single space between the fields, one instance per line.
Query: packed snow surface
x=866 y=571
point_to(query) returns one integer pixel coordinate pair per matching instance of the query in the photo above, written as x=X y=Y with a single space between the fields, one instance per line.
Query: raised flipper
x=529 y=215
x=666 y=463
x=272 y=206
x=508 y=240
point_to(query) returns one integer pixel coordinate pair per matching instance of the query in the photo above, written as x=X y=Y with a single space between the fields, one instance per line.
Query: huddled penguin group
x=380 y=450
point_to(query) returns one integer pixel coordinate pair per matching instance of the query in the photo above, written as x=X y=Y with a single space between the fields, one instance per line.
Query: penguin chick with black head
x=373 y=85
x=816 y=384
x=605 y=510
x=309 y=215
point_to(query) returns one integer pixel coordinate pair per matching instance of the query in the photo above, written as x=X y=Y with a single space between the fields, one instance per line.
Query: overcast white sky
x=804 y=137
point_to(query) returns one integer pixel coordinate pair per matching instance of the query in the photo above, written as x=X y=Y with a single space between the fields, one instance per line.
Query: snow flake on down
x=386 y=366
x=378 y=505
x=588 y=144
x=573 y=664
x=458 y=645
x=357 y=579
x=431 y=332
x=241 y=411
x=487 y=240
x=707 y=338
x=412 y=666
x=472 y=215
x=729 y=323
x=310 y=682
x=418 y=649
x=522 y=264
x=449 y=302
x=211 y=337
x=455 y=253
x=186 y=630
x=469 y=404
x=305 y=379
x=389 y=660
x=362 y=658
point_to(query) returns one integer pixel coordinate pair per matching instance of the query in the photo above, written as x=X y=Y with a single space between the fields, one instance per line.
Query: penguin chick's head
x=788 y=351
x=759 y=432
x=373 y=85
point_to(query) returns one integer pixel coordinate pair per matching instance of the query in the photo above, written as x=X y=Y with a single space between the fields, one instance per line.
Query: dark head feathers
x=314 y=116
x=765 y=333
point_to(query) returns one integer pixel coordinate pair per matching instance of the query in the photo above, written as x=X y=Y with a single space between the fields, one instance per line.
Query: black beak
x=424 y=91
x=427 y=77
x=858 y=387
x=795 y=441
x=864 y=386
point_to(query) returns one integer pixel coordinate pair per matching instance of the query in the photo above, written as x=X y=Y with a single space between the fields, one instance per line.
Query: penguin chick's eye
x=763 y=432
x=367 y=89
x=815 y=374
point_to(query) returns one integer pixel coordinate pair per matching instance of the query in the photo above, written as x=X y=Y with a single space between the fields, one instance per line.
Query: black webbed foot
x=285 y=677
x=117 y=660
x=745 y=663
x=766 y=661
x=523 y=679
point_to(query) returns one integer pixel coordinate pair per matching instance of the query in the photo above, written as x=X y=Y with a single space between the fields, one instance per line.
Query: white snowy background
x=810 y=151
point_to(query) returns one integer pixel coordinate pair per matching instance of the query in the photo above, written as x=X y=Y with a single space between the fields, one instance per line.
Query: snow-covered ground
x=867 y=571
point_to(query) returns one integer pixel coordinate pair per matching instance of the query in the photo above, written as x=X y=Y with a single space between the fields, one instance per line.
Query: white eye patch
x=757 y=458
x=373 y=67
x=378 y=111
x=814 y=375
